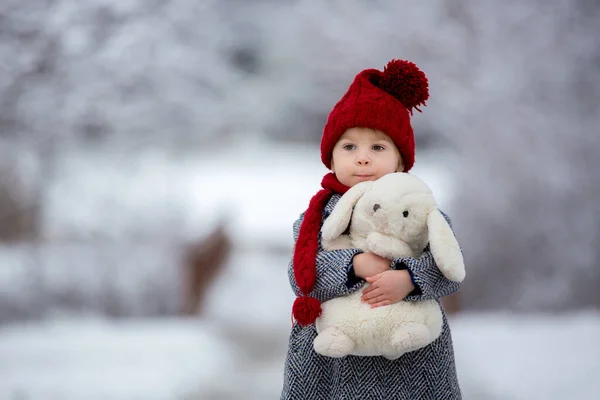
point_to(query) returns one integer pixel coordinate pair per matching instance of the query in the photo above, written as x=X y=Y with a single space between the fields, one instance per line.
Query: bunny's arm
x=426 y=276
x=334 y=271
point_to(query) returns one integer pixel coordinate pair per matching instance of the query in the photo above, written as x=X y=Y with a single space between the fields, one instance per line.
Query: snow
x=530 y=356
x=499 y=356
x=98 y=359
x=122 y=279
x=259 y=188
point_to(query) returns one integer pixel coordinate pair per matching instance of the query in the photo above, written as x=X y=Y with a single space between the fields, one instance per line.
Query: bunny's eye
x=405 y=214
x=376 y=207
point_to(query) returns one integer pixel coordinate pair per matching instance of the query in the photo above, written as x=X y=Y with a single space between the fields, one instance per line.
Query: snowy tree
x=526 y=206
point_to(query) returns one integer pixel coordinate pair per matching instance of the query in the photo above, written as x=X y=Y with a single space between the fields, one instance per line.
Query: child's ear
x=332 y=166
x=400 y=165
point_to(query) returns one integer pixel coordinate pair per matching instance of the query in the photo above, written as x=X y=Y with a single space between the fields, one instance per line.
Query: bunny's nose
x=376 y=207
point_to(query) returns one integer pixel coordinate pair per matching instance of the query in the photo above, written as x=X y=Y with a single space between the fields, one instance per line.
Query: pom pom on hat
x=406 y=82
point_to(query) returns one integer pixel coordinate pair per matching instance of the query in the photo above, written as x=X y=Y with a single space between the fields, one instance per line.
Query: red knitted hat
x=383 y=101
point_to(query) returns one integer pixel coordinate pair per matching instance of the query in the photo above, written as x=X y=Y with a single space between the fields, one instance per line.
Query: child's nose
x=363 y=160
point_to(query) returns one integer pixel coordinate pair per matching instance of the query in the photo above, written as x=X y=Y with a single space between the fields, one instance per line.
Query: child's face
x=364 y=154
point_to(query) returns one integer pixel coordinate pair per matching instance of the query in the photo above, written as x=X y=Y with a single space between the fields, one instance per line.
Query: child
x=367 y=135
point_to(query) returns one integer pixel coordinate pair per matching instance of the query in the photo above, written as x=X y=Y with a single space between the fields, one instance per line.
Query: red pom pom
x=406 y=82
x=306 y=310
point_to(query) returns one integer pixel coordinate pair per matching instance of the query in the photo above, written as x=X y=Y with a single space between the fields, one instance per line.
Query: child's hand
x=387 y=288
x=369 y=264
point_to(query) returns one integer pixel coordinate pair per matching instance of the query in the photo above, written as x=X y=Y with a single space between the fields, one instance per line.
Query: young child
x=367 y=135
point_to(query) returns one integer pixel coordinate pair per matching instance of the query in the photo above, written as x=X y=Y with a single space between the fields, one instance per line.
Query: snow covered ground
x=500 y=357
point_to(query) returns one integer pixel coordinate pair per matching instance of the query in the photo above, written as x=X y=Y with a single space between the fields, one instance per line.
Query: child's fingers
x=381 y=303
x=370 y=289
x=371 y=295
x=376 y=299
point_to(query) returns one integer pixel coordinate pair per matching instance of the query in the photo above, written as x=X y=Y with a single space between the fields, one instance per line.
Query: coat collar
x=331 y=203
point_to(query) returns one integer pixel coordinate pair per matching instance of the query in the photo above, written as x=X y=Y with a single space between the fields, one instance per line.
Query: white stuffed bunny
x=394 y=216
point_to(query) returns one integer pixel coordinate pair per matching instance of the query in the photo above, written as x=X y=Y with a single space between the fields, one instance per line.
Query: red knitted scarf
x=307 y=309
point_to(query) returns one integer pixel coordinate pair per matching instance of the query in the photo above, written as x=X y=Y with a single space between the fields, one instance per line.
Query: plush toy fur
x=395 y=216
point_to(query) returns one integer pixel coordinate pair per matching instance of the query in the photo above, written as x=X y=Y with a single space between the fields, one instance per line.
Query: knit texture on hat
x=383 y=101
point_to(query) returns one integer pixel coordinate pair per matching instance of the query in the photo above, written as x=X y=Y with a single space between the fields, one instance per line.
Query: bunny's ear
x=444 y=247
x=338 y=220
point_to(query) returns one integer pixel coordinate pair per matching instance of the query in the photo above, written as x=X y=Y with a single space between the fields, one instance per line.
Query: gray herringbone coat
x=425 y=374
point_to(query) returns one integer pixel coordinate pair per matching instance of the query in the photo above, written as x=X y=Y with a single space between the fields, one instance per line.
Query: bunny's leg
x=332 y=342
x=409 y=337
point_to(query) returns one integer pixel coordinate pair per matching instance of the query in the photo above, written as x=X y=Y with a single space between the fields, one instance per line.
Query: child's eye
x=378 y=147
x=349 y=147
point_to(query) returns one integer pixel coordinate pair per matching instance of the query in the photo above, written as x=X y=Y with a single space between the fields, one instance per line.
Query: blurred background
x=154 y=155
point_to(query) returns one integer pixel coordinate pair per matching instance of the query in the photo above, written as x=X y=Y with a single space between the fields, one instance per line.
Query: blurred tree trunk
x=204 y=260
x=19 y=212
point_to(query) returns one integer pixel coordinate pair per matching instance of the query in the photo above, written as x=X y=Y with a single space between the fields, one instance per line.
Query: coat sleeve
x=334 y=271
x=426 y=276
